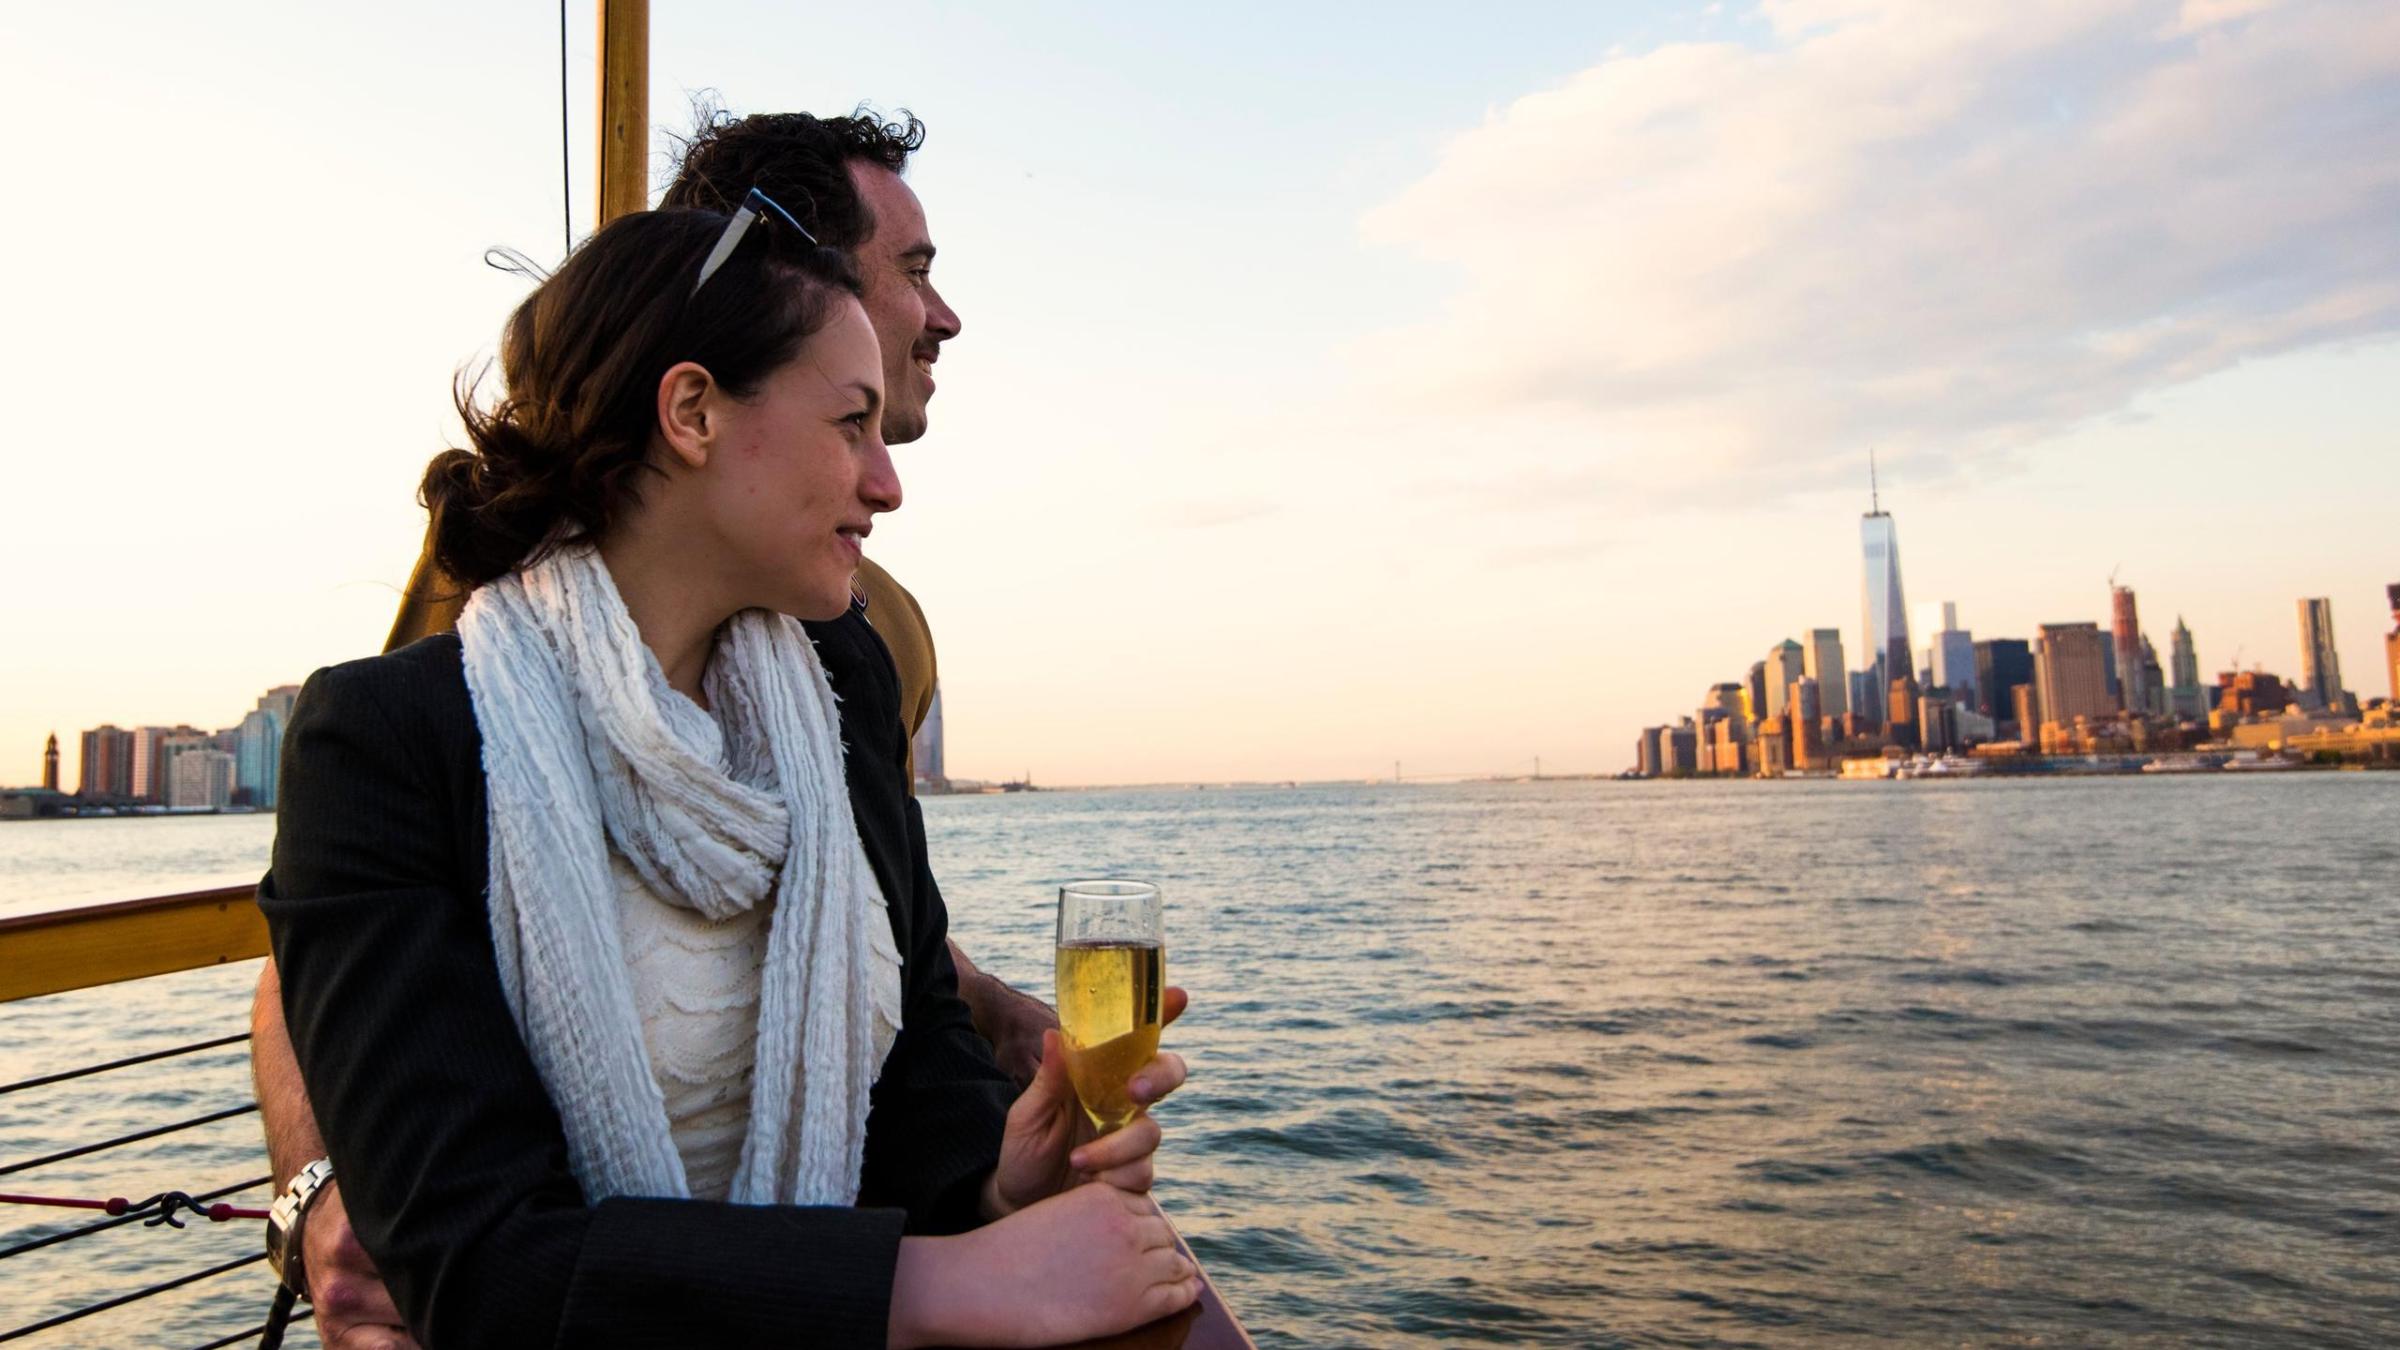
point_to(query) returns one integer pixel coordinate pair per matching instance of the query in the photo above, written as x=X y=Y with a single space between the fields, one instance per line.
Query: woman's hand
x=1050 y=1145
x=1091 y=1262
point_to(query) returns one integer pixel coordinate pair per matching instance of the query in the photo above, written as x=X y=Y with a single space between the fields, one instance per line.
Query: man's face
x=911 y=323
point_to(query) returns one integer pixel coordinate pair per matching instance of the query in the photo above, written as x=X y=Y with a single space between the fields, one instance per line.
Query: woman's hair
x=561 y=454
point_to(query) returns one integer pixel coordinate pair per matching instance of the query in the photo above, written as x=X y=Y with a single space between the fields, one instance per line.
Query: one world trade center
x=1885 y=609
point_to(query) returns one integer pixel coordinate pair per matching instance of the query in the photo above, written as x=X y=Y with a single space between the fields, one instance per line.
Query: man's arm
x=353 y=1309
x=1013 y=1021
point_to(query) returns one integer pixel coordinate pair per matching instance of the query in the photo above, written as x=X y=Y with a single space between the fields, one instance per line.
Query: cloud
x=1944 y=230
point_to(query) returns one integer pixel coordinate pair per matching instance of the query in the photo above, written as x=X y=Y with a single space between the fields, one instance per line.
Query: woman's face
x=800 y=472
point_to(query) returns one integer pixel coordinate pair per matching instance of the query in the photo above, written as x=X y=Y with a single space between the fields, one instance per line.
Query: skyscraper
x=2071 y=670
x=107 y=765
x=258 y=749
x=1784 y=665
x=2320 y=669
x=2126 y=627
x=2154 y=681
x=2002 y=665
x=1825 y=667
x=2185 y=696
x=925 y=750
x=1954 y=657
x=1885 y=608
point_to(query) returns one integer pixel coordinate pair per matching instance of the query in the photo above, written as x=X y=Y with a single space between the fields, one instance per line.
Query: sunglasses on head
x=755 y=207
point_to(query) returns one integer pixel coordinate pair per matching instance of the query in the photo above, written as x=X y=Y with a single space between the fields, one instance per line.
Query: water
x=2093 y=1063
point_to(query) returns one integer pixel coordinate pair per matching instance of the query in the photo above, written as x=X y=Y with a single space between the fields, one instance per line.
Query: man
x=841 y=177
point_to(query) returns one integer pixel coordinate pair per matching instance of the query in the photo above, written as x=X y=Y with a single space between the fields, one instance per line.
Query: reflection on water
x=2099 y=1062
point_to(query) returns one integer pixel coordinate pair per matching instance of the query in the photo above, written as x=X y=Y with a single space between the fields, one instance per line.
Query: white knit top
x=696 y=985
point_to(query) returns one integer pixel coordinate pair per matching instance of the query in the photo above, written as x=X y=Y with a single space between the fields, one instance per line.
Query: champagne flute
x=1112 y=977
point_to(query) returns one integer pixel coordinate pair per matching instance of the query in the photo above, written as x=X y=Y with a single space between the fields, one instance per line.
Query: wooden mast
x=624 y=158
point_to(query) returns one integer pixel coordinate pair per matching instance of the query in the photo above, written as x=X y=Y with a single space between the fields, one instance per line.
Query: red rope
x=117 y=1205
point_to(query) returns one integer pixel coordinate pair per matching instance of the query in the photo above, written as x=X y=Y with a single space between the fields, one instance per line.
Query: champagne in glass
x=1112 y=978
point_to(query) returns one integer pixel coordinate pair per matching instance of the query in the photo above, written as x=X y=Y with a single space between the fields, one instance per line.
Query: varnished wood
x=103 y=944
x=624 y=162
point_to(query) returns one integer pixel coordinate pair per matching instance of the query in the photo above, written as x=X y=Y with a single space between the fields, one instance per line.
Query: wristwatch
x=287 y=1218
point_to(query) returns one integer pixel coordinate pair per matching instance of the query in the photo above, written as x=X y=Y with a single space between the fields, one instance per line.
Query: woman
x=609 y=948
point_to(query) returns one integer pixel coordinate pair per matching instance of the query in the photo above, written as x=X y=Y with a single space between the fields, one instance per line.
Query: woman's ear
x=687 y=419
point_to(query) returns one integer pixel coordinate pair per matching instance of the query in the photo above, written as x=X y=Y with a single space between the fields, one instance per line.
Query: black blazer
x=451 y=1159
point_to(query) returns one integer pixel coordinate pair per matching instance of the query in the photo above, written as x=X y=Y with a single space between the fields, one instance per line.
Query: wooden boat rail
x=63 y=950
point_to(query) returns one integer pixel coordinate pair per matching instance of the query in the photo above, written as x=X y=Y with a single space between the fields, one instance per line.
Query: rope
x=132 y=1216
x=48 y=1079
x=167 y=1201
x=122 y=1299
x=134 y=1138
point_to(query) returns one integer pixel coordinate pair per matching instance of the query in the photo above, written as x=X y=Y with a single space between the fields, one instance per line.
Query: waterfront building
x=1825 y=667
x=925 y=750
x=2320 y=668
x=1648 y=751
x=147 y=779
x=1680 y=749
x=2071 y=670
x=1864 y=702
x=2252 y=693
x=1755 y=685
x=173 y=747
x=1901 y=720
x=2154 y=681
x=1730 y=738
x=1885 y=608
x=1774 y=748
x=2185 y=696
x=1807 y=723
x=107 y=766
x=2026 y=707
x=2391 y=641
x=2126 y=651
x=50 y=764
x=1937 y=731
x=200 y=776
x=1785 y=664
x=279 y=699
x=1723 y=700
x=2002 y=665
x=1954 y=657
x=258 y=749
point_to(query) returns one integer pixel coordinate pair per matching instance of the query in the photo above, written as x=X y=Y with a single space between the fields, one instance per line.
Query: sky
x=1433 y=385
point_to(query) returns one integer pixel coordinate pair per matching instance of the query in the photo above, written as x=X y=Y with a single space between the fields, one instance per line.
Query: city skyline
x=1475 y=433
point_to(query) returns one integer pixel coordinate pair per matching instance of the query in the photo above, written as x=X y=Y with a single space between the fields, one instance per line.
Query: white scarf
x=586 y=748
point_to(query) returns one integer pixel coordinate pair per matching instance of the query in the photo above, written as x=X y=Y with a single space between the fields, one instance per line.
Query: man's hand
x=354 y=1311
x=1049 y=1145
x=1012 y=1021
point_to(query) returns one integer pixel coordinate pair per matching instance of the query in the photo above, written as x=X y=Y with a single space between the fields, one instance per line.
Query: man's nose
x=940 y=319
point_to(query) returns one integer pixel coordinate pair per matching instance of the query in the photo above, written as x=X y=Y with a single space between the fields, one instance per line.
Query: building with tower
x=50 y=764
x=2186 y=696
x=1884 y=607
x=2125 y=652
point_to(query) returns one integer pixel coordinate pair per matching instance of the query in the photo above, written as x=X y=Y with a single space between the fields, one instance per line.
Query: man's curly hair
x=801 y=160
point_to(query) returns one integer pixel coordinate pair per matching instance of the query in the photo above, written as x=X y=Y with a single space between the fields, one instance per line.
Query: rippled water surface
x=2077 y=1063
